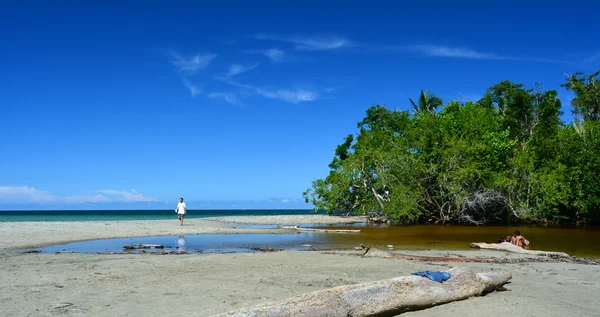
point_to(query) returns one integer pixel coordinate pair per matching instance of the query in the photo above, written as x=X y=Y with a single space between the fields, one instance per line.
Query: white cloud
x=285 y=201
x=445 y=51
x=237 y=69
x=294 y=96
x=467 y=53
x=32 y=195
x=228 y=97
x=192 y=64
x=276 y=55
x=194 y=89
x=128 y=195
x=309 y=43
x=26 y=194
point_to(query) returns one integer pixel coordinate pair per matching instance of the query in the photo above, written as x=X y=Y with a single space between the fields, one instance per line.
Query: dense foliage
x=506 y=157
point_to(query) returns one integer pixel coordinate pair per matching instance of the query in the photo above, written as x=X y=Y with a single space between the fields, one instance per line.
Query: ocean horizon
x=138 y=214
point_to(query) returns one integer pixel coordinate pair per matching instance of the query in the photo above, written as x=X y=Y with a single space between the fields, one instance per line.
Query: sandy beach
x=207 y=284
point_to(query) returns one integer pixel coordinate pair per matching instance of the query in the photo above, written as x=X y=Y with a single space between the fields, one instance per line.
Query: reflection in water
x=181 y=243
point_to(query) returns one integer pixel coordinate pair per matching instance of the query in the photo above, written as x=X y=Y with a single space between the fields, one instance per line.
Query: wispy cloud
x=316 y=43
x=466 y=53
x=592 y=59
x=237 y=69
x=26 y=194
x=194 y=89
x=276 y=55
x=271 y=203
x=128 y=195
x=445 y=51
x=32 y=195
x=294 y=96
x=227 y=97
x=193 y=63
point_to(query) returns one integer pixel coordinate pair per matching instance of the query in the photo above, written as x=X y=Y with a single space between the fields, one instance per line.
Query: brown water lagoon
x=582 y=242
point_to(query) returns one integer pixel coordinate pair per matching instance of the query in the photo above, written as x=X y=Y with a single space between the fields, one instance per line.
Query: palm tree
x=427 y=103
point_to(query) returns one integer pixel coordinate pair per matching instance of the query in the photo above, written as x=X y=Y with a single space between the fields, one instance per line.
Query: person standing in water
x=181 y=210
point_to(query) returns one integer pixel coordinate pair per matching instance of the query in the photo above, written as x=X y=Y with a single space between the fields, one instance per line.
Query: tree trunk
x=381 y=298
x=505 y=246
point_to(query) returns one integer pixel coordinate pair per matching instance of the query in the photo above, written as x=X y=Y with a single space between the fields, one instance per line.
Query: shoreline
x=32 y=234
x=204 y=284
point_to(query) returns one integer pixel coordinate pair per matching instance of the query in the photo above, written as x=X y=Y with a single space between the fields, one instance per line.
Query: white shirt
x=181 y=208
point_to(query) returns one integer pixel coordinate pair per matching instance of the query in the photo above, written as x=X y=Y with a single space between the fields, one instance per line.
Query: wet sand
x=206 y=284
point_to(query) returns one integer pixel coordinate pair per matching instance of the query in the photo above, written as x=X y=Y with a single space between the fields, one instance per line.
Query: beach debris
x=508 y=247
x=358 y=248
x=389 y=246
x=63 y=308
x=33 y=251
x=381 y=298
x=319 y=230
x=266 y=249
x=143 y=246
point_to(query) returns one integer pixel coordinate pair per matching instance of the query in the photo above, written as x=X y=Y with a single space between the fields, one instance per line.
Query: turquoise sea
x=101 y=215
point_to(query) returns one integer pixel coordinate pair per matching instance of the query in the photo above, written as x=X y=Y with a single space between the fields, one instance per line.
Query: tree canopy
x=505 y=157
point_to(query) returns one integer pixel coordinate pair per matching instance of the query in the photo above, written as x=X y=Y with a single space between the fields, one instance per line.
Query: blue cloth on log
x=434 y=275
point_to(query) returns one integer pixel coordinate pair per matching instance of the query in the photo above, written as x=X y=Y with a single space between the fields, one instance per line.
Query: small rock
x=389 y=246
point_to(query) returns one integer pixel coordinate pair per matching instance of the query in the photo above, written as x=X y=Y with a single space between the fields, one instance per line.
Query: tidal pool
x=206 y=243
x=576 y=242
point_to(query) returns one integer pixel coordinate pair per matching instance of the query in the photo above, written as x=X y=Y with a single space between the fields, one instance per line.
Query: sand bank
x=206 y=284
x=40 y=233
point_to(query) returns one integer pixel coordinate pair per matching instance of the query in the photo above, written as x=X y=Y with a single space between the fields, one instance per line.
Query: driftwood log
x=319 y=230
x=508 y=247
x=381 y=298
x=143 y=246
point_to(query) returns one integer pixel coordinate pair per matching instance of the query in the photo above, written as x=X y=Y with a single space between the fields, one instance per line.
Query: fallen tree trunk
x=381 y=298
x=319 y=230
x=508 y=247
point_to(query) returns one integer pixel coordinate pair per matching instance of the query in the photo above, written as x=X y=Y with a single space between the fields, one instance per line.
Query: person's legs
x=181 y=220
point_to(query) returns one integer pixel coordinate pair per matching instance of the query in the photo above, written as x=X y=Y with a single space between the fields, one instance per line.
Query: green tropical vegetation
x=507 y=157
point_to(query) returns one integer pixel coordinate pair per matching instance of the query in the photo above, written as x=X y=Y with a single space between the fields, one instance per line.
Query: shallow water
x=206 y=243
x=576 y=242
x=583 y=242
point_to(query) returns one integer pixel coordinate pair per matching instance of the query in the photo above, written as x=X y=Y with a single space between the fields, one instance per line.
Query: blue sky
x=133 y=104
